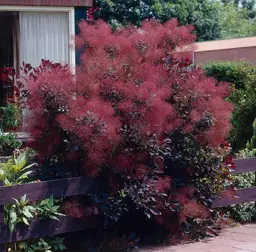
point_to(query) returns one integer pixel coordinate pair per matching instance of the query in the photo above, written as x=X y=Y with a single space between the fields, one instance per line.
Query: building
x=32 y=30
x=35 y=29
x=226 y=50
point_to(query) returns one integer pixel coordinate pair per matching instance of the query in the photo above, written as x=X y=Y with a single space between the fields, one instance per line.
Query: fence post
x=2 y=246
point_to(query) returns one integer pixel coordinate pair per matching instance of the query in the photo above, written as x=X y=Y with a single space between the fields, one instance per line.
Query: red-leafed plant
x=7 y=75
x=149 y=124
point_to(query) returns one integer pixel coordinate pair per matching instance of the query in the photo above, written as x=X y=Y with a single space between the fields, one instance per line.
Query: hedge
x=243 y=76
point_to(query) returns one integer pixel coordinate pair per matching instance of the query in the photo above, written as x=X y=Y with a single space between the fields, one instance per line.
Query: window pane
x=44 y=35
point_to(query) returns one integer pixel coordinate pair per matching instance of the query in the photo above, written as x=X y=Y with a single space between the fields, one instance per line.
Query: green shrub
x=16 y=170
x=233 y=72
x=48 y=244
x=250 y=150
x=251 y=145
x=245 y=212
x=243 y=76
x=245 y=180
x=11 y=117
x=8 y=144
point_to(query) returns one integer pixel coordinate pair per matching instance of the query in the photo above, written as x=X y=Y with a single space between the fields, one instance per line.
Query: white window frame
x=71 y=15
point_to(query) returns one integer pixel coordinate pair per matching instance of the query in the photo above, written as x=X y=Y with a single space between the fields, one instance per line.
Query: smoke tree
x=147 y=123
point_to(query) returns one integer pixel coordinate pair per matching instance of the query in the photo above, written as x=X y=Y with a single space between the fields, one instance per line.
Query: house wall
x=80 y=14
x=75 y=8
x=47 y=2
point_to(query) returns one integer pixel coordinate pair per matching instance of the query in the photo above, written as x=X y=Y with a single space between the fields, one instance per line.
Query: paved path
x=238 y=239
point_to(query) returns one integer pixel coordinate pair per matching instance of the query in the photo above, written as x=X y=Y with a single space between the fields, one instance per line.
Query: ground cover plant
x=152 y=128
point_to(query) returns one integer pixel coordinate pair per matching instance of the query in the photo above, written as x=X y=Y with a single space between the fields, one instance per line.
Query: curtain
x=44 y=35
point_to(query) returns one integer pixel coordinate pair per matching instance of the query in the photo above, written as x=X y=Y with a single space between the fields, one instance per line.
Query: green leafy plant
x=54 y=245
x=245 y=153
x=245 y=180
x=20 y=212
x=243 y=212
x=11 y=117
x=8 y=144
x=252 y=143
x=233 y=72
x=47 y=244
x=250 y=150
x=243 y=76
x=48 y=209
x=235 y=22
x=203 y=15
x=15 y=170
x=23 y=211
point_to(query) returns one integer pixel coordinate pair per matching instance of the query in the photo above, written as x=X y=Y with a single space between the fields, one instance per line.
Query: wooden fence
x=241 y=195
x=78 y=186
x=38 y=191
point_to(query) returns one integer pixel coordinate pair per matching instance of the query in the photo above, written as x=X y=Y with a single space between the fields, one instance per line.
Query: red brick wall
x=235 y=54
x=47 y=2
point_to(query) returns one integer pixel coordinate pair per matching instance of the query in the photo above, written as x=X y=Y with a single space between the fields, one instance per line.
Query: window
x=32 y=34
x=44 y=35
